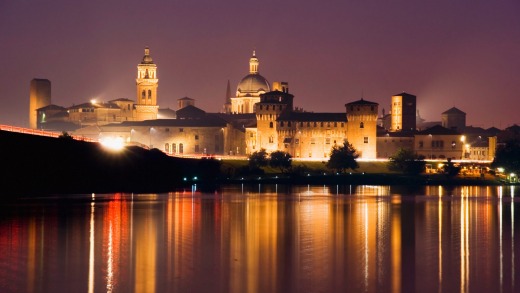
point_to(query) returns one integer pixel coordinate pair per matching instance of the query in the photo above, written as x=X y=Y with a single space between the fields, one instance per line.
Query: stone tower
x=39 y=97
x=146 y=105
x=454 y=119
x=271 y=105
x=362 y=127
x=404 y=112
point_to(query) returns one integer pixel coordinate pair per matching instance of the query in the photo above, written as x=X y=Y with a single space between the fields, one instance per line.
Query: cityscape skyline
x=447 y=54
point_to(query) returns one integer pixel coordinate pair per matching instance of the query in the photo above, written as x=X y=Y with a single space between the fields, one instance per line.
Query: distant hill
x=45 y=165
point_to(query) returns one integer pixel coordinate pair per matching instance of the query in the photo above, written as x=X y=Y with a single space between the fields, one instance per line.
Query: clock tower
x=146 y=83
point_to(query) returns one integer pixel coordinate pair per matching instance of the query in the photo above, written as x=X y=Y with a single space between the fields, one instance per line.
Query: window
x=196 y=137
x=181 y=148
x=167 y=148
x=361 y=125
x=335 y=124
x=197 y=148
x=321 y=124
x=421 y=144
x=289 y=123
x=281 y=124
x=174 y=148
x=342 y=124
x=271 y=139
x=270 y=124
x=181 y=129
x=313 y=140
x=365 y=139
x=327 y=141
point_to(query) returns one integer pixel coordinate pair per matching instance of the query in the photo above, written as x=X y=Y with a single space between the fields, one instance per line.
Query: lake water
x=257 y=238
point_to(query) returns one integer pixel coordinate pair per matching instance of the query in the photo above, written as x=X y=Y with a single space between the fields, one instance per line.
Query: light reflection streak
x=512 y=239
x=91 y=249
x=110 y=260
x=396 y=250
x=464 y=241
x=500 y=235
x=440 y=242
x=364 y=209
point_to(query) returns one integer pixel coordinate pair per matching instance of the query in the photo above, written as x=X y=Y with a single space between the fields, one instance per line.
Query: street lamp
x=431 y=146
x=150 y=137
x=463 y=140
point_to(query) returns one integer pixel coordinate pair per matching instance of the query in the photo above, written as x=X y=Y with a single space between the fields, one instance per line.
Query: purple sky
x=448 y=53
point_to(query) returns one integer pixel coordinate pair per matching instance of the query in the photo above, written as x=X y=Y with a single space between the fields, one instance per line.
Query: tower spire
x=228 y=92
x=253 y=64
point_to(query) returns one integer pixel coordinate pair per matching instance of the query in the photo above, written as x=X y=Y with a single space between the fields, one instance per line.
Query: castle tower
x=250 y=88
x=267 y=111
x=404 y=109
x=39 y=97
x=362 y=127
x=147 y=83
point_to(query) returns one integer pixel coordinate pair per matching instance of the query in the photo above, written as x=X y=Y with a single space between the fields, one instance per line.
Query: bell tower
x=146 y=83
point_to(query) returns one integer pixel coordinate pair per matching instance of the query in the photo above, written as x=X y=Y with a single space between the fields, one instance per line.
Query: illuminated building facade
x=404 y=109
x=440 y=143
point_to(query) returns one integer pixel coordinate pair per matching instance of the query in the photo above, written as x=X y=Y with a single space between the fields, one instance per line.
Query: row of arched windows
x=173 y=149
x=143 y=94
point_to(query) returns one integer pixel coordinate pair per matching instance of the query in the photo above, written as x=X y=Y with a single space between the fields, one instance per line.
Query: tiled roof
x=438 y=130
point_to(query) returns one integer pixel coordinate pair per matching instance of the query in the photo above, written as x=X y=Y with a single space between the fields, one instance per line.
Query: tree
x=258 y=159
x=343 y=158
x=508 y=157
x=65 y=135
x=406 y=161
x=280 y=160
x=450 y=169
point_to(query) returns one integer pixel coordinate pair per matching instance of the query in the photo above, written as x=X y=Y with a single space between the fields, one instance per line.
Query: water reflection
x=264 y=238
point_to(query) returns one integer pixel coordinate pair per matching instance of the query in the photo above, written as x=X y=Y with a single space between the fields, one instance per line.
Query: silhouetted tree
x=65 y=135
x=508 y=157
x=343 y=158
x=280 y=160
x=450 y=169
x=406 y=161
x=258 y=159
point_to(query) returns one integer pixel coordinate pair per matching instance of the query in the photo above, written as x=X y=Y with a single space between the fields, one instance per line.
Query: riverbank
x=364 y=179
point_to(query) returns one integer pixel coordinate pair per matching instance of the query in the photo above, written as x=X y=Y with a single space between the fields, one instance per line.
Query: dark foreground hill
x=44 y=165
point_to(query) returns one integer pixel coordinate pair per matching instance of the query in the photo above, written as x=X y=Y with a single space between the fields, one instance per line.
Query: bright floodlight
x=113 y=143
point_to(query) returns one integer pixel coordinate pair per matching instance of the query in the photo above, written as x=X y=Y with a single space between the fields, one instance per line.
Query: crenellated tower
x=362 y=127
x=146 y=82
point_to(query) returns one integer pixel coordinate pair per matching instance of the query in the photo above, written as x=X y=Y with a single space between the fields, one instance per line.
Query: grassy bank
x=374 y=173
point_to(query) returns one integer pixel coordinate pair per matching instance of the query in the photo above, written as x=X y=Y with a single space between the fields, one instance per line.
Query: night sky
x=462 y=53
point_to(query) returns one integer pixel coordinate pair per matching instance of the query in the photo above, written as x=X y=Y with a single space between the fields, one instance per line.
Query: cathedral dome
x=253 y=84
